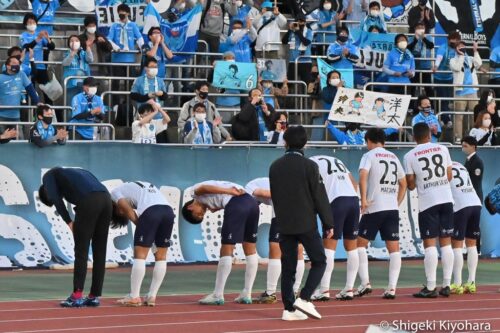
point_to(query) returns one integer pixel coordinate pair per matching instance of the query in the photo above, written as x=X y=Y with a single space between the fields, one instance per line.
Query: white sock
x=394 y=269
x=430 y=266
x=324 y=285
x=136 y=277
x=352 y=268
x=223 y=270
x=299 y=274
x=250 y=273
x=364 y=276
x=273 y=275
x=458 y=264
x=472 y=259
x=159 y=272
x=447 y=262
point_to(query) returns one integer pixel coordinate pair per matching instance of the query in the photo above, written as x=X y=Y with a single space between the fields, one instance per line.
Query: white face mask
x=487 y=123
x=374 y=13
x=230 y=60
x=238 y=3
x=327 y=6
x=334 y=82
x=75 y=45
x=152 y=71
x=92 y=91
x=31 y=27
x=420 y=32
x=91 y=30
x=200 y=116
x=182 y=6
x=489 y=99
x=402 y=45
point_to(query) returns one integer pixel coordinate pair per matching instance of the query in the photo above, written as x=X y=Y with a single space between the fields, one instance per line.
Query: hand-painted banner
x=235 y=75
x=346 y=74
x=373 y=48
x=367 y=107
x=272 y=69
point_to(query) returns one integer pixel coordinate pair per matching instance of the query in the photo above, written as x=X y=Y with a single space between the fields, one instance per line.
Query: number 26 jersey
x=429 y=162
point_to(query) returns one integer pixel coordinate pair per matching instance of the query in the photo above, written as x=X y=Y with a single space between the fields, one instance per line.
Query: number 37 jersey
x=384 y=173
x=429 y=162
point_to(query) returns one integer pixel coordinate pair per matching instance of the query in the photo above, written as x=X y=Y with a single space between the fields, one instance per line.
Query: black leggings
x=93 y=215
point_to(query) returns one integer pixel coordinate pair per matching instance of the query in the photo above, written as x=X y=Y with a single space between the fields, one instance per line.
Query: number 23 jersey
x=429 y=162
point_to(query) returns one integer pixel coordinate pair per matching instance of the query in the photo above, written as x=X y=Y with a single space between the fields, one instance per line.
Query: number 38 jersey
x=335 y=177
x=384 y=173
x=428 y=162
x=462 y=189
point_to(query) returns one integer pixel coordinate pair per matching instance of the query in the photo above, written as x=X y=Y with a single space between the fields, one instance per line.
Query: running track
x=183 y=314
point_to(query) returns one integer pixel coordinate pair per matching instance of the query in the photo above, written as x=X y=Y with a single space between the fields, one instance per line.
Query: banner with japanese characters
x=371 y=108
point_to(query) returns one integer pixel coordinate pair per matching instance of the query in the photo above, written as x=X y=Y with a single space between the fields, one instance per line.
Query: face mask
x=181 y=6
x=31 y=27
x=427 y=110
x=487 y=123
x=47 y=120
x=92 y=91
x=75 y=45
x=267 y=85
x=342 y=39
x=374 y=13
x=327 y=6
x=334 y=82
x=91 y=30
x=15 y=68
x=122 y=17
x=420 y=32
x=238 y=3
x=153 y=71
x=230 y=60
x=200 y=116
x=268 y=14
x=203 y=94
x=489 y=99
x=402 y=45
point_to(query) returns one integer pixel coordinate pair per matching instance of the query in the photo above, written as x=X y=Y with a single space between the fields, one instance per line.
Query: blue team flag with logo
x=346 y=74
x=235 y=75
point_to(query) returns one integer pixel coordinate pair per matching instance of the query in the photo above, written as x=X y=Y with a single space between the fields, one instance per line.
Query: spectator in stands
x=254 y=120
x=483 y=130
x=353 y=135
x=356 y=11
x=426 y=115
x=299 y=37
x=98 y=43
x=240 y=40
x=328 y=19
x=268 y=25
x=43 y=133
x=76 y=63
x=278 y=128
x=399 y=65
x=13 y=82
x=333 y=82
x=88 y=108
x=375 y=18
x=443 y=55
x=421 y=13
x=420 y=46
x=314 y=87
x=491 y=108
x=240 y=11
x=198 y=130
x=343 y=53
x=495 y=67
x=212 y=24
x=7 y=135
x=464 y=69
x=266 y=86
x=226 y=101
x=146 y=128
x=45 y=11
x=37 y=41
x=20 y=54
x=486 y=97
x=157 y=49
x=201 y=90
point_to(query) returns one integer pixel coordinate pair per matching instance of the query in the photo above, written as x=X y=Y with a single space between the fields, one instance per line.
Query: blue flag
x=235 y=75
x=325 y=68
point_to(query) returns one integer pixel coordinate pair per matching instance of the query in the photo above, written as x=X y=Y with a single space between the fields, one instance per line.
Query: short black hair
x=12 y=50
x=334 y=71
x=88 y=20
x=29 y=16
x=342 y=28
x=238 y=22
x=7 y=62
x=199 y=105
x=42 y=194
x=400 y=35
x=373 y=27
x=421 y=131
x=470 y=140
x=375 y=135
x=489 y=205
x=380 y=99
x=188 y=214
x=123 y=8
x=117 y=221
x=200 y=84
x=146 y=107
x=295 y=137
x=421 y=98
x=251 y=91
x=152 y=29
x=373 y=4
x=150 y=60
x=40 y=109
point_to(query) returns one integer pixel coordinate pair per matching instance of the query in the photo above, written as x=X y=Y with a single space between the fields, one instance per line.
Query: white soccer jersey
x=147 y=133
x=262 y=183
x=384 y=173
x=214 y=201
x=463 y=192
x=141 y=195
x=335 y=177
x=428 y=162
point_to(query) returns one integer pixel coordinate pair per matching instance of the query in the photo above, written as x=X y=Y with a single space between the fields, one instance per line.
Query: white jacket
x=270 y=33
x=457 y=67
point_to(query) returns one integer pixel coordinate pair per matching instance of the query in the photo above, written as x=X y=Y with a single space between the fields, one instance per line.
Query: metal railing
x=17 y=124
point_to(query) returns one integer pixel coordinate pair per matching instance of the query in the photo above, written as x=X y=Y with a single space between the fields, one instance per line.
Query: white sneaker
x=320 y=296
x=307 y=307
x=295 y=315
x=345 y=295
x=211 y=299
x=363 y=290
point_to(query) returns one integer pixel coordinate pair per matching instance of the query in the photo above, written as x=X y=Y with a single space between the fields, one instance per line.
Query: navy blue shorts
x=155 y=225
x=274 y=235
x=387 y=222
x=466 y=222
x=345 y=212
x=241 y=220
x=436 y=221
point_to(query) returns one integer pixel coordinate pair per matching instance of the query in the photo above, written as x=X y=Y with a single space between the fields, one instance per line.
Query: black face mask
x=342 y=39
x=422 y=2
x=452 y=45
x=47 y=120
x=203 y=94
x=314 y=74
x=122 y=16
x=463 y=50
x=171 y=17
x=15 y=68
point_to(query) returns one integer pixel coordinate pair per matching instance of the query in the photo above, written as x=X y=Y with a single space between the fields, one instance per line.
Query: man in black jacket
x=473 y=164
x=298 y=194
x=254 y=119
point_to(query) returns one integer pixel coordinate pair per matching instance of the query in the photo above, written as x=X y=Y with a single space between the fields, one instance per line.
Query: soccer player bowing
x=241 y=219
x=428 y=169
x=144 y=205
x=382 y=185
